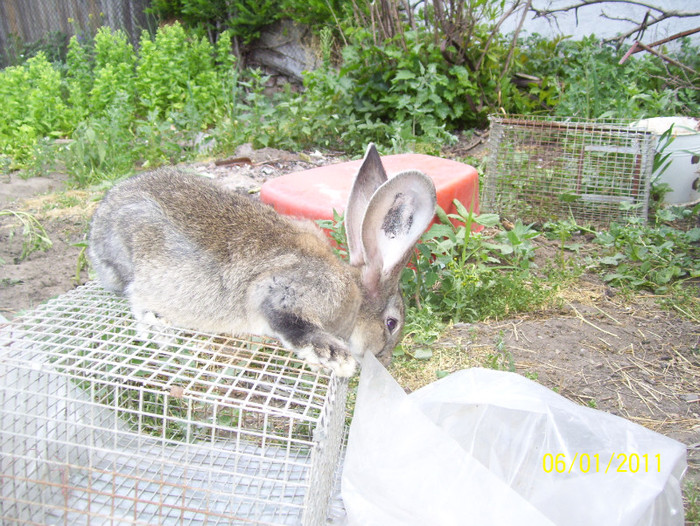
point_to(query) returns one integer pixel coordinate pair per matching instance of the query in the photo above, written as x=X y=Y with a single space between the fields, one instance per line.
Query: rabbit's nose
x=384 y=356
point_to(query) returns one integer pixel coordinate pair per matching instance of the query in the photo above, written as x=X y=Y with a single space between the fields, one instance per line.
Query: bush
x=114 y=75
x=246 y=18
x=400 y=93
x=175 y=69
x=33 y=107
x=412 y=91
x=583 y=79
x=117 y=105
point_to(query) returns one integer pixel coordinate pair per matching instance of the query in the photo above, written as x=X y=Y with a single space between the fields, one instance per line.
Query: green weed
x=691 y=496
x=465 y=276
x=101 y=147
x=502 y=359
x=583 y=78
x=421 y=330
x=81 y=262
x=34 y=236
x=651 y=256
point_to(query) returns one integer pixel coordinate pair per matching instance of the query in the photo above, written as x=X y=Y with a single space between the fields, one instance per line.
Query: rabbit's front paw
x=148 y=324
x=330 y=353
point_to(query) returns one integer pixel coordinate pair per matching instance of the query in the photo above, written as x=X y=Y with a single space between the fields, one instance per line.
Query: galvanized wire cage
x=101 y=425
x=543 y=169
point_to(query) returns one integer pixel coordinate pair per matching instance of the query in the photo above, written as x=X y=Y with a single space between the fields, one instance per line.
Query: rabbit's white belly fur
x=203 y=308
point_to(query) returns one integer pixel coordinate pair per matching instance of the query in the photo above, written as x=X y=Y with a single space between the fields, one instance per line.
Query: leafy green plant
x=114 y=75
x=173 y=67
x=465 y=276
x=249 y=114
x=661 y=162
x=156 y=141
x=516 y=245
x=653 y=256
x=414 y=85
x=244 y=18
x=564 y=231
x=400 y=93
x=502 y=359
x=101 y=147
x=119 y=106
x=81 y=262
x=42 y=158
x=336 y=230
x=421 y=330
x=78 y=76
x=584 y=78
x=33 y=107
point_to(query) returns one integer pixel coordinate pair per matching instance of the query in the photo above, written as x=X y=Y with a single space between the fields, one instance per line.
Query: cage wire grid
x=100 y=424
x=544 y=168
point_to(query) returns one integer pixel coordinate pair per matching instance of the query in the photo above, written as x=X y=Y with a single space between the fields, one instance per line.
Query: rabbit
x=189 y=253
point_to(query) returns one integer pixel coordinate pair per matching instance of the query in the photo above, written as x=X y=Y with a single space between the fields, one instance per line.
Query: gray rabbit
x=186 y=252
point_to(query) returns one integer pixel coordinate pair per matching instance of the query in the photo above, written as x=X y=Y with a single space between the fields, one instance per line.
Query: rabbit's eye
x=391 y=324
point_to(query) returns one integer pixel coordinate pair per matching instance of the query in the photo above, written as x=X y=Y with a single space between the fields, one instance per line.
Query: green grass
x=691 y=497
x=34 y=236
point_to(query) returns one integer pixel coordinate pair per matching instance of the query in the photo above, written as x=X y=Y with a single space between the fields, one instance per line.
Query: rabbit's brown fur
x=185 y=250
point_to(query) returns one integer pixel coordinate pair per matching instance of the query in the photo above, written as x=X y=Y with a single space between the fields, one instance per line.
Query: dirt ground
x=624 y=355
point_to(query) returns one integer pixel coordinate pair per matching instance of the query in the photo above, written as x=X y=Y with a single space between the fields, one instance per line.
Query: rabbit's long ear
x=368 y=179
x=397 y=215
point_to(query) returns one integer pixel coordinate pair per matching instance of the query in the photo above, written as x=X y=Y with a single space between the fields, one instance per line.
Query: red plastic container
x=315 y=193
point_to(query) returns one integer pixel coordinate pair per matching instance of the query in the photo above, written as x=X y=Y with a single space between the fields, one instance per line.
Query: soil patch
x=63 y=214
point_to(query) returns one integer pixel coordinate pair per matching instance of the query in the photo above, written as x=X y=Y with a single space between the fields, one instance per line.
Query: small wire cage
x=102 y=425
x=544 y=169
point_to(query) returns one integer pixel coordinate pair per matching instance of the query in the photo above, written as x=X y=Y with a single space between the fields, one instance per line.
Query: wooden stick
x=667 y=59
x=662 y=41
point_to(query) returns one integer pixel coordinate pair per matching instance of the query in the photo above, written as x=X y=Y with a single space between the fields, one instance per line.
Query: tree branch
x=583 y=3
x=653 y=15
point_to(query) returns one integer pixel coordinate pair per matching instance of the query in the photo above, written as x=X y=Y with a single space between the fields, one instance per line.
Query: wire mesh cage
x=100 y=424
x=543 y=169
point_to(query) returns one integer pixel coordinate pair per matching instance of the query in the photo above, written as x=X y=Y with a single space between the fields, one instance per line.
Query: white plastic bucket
x=683 y=171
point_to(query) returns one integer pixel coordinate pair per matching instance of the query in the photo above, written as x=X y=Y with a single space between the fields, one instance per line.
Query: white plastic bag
x=493 y=448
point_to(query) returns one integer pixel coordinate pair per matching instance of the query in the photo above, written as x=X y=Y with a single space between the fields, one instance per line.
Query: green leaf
x=612 y=260
x=442 y=215
x=439 y=231
x=614 y=277
x=664 y=275
x=422 y=353
x=487 y=220
x=461 y=210
x=430 y=279
x=404 y=74
x=693 y=235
